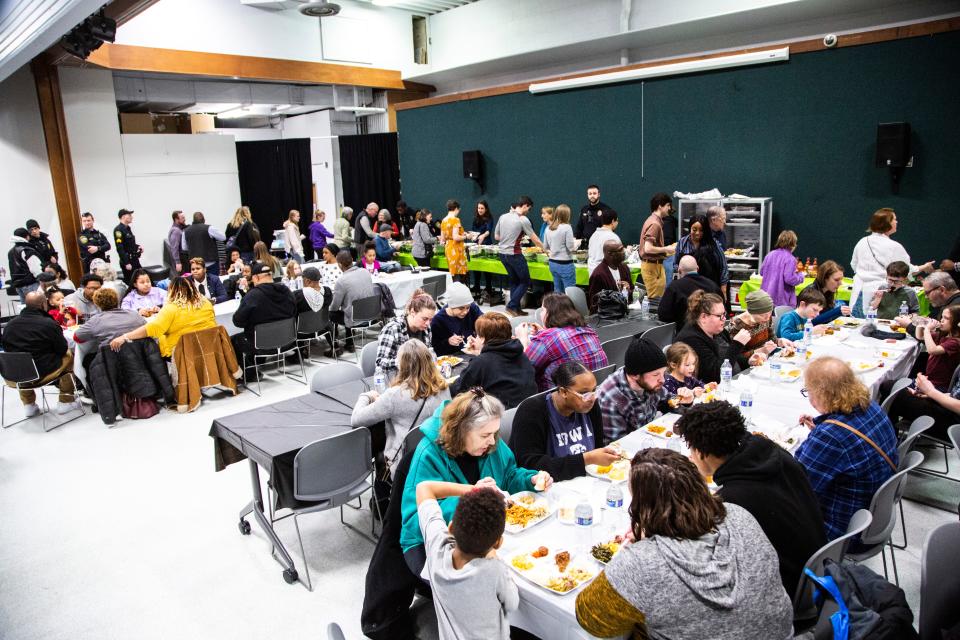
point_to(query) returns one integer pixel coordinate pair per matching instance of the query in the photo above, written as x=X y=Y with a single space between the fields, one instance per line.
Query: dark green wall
x=802 y=132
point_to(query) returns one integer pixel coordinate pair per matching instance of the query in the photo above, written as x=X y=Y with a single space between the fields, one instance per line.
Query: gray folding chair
x=661 y=336
x=917 y=427
x=940 y=581
x=432 y=289
x=334 y=374
x=579 y=300
x=603 y=373
x=21 y=370
x=803 y=607
x=368 y=359
x=616 y=349
x=778 y=312
x=334 y=632
x=883 y=506
x=329 y=473
x=519 y=320
x=313 y=325
x=366 y=314
x=274 y=341
x=896 y=389
x=506 y=424
x=537 y=397
x=437 y=283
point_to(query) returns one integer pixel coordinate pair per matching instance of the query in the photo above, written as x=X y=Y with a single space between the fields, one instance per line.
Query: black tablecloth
x=628 y=326
x=273 y=434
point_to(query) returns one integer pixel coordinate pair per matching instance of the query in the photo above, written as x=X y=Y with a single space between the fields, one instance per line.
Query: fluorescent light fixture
x=384 y=3
x=671 y=69
x=241 y=111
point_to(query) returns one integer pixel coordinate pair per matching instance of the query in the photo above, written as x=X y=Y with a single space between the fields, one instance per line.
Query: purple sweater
x=780 y=277
x=318 y=236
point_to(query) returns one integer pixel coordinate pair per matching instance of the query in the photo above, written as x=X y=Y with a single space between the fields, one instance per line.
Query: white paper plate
x=592 y=471
x=546 y=568
x=862 y=366
x=540 y=500
x=763 y=373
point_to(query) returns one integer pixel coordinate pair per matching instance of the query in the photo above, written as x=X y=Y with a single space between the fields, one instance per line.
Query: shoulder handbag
x=231 y=242
x=610 y=305
x=384 y=482
x=867 y=440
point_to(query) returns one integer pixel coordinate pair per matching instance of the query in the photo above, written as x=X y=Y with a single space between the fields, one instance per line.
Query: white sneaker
x=31 y=410
x=67 y=407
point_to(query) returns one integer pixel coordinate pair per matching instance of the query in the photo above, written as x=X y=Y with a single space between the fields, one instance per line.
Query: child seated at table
x=472 y=589
x=810 y=303
x=64 y=315
x=888 y=298
x=369 y=260
x=681 y=377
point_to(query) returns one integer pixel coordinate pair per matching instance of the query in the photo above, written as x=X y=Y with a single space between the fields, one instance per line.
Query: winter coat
x=503 y=371
x=136 y=370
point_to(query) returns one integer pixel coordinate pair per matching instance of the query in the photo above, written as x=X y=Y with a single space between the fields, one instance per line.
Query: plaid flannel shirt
x=624 y=409
x=551 y=347
x=392 y=336
x=843 y=469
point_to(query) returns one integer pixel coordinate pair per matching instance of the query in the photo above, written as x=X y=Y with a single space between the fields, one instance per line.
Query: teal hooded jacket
x=431 y=462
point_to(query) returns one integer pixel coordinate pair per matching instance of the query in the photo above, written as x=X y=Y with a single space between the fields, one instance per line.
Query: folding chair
x=917 y=427
x=366 y=314
x=779 y=312
x=334 y=374
x=368 y=359
x=20 y=369
x=603 y=373
x=506 y=424
x=440 y=282
x=329 y=473
x=661 y=336
x=579 y=299
x=313 y=325
x=616 y=349
x=940 y=581
x=274 y=341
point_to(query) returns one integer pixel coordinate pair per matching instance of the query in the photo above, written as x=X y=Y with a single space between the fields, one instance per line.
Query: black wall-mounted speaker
x=893 y=144
x=473 y=165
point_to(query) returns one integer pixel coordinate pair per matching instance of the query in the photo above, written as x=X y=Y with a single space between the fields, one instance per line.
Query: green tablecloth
x=538 y=270
x=753 y=284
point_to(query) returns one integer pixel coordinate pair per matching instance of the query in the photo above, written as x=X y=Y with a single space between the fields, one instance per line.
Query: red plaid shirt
x=550 y=348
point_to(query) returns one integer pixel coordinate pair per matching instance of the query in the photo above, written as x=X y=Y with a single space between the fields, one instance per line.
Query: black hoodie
x=503 y=371
x=768 y=482
x=265 y=302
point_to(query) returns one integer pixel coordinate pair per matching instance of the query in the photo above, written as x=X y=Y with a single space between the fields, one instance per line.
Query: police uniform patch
x=83 y=239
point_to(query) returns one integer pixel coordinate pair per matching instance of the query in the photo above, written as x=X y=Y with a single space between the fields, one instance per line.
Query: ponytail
x=700 y=302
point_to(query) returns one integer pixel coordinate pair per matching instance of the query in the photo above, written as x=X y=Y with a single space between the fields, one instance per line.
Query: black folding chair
x=274 y=341
x=313 y=325
x=21 y=370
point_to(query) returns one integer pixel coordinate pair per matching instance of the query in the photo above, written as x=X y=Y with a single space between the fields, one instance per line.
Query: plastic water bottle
x=614 y=496
x=807 y=334
x=775 y=368
x=645 y=308
x=726 y=375
x=379 y=380
x=904 y=309
x=237 y=296
x=871 y=314
x=583 y=514
x=746 y=405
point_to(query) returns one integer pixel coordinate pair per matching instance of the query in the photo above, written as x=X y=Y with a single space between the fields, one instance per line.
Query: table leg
x=255 y=507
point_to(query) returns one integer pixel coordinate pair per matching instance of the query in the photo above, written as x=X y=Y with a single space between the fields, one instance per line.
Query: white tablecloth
x=224 y=313
x=402 y=284
x=776 y=406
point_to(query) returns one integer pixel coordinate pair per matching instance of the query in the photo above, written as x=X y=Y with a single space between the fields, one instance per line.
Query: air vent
x=319 y=9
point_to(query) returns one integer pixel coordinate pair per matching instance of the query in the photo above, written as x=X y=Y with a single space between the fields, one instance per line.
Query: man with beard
x=590 y=214
x=633 y=395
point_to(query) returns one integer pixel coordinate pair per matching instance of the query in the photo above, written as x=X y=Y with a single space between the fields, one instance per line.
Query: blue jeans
x=668 y=264
x=518 y=278
x=564 y=275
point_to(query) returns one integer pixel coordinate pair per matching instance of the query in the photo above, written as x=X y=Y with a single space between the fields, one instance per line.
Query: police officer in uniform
x=128 y=250
x=40 y=242
x=590 y=215
x=93 y=244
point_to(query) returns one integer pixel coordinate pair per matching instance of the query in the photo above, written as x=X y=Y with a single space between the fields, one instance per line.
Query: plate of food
x=789 y=354
x=848 y=323
x=862 y=366
x=556 y=570
x=886 y=353
x=616 y=472
x=527 y=509
x=450 y=360
x=788 y=373
x=603 y=552
x=658 y=430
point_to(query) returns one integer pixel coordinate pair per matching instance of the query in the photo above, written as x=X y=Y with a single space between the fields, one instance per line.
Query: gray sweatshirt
x=422 y=236
x=559 y=243
x=398 y=410
x=724 y=585
x=472 y=603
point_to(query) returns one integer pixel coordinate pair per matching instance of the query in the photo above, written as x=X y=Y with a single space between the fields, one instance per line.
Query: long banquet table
x=777 y=406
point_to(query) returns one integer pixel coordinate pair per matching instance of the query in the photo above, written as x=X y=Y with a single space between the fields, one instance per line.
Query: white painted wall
x=24 y=170
x=361 y=34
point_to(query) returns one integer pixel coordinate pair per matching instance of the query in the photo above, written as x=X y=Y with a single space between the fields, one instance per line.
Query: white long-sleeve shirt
x=292 y=238
x=595 y=252
x=871 y=255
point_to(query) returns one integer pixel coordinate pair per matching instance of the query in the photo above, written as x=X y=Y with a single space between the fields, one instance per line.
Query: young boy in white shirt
x=472 y=590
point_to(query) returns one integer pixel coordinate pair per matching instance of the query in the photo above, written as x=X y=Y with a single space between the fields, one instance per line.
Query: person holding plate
x=561 y=432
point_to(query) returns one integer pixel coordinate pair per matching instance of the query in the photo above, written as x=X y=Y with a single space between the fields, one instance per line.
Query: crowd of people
x=719 y=566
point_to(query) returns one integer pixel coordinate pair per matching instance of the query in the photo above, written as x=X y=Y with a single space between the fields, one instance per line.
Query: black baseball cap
x=124 y=212
x=32 y=224
x=258 y=269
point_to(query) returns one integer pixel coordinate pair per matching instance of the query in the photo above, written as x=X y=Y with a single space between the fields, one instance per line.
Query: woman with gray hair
x=461 y=444
x=109 y=274
x=343 y=229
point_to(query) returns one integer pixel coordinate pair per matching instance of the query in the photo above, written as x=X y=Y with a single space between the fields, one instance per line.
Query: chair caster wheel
x=290 y=575
x=244 y=527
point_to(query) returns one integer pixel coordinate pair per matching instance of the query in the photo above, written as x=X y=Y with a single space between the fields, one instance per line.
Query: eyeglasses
x=586 y=396
x=896 y=280
x=722 y=314
x=804 y=392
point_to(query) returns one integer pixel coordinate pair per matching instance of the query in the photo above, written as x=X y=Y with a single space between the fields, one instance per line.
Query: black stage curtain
x=370 y=170
x=276 y=176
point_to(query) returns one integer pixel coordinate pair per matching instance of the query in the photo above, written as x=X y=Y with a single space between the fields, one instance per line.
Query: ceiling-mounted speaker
x=319 y=9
